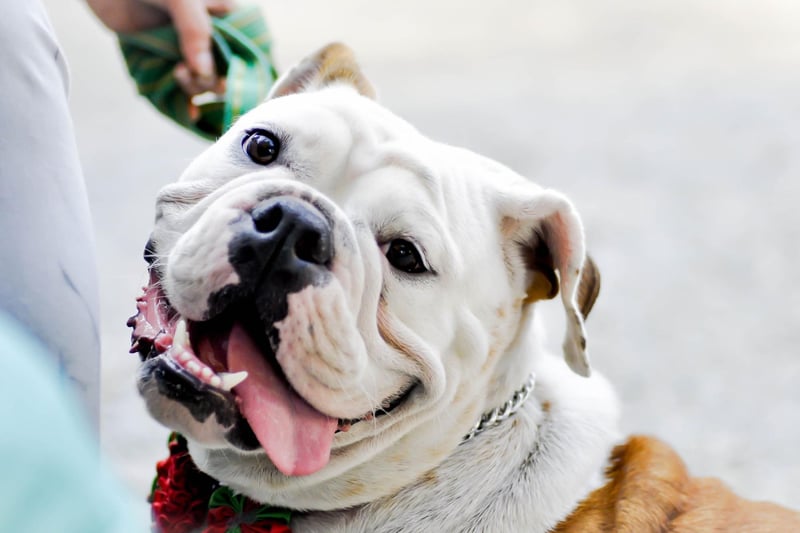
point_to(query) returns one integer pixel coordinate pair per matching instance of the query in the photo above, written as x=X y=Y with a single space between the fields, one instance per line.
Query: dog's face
x=367 y=281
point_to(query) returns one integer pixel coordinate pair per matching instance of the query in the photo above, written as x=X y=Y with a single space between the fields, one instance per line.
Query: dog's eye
x=261 y=146
x=404 y=256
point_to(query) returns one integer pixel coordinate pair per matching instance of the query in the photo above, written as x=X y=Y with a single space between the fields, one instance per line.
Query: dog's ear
x=589 y=286
x=545 y=235
x=334 y=63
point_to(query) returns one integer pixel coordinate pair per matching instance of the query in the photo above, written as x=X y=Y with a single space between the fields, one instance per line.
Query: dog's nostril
x=309 y=248
x=267 y=220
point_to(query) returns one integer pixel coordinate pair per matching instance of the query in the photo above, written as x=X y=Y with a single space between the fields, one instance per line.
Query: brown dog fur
x=649 y=489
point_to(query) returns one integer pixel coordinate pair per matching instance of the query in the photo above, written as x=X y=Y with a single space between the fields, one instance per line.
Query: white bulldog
x=340 y=320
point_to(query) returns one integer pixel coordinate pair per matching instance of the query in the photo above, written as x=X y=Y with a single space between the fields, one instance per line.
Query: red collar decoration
x=186 y=500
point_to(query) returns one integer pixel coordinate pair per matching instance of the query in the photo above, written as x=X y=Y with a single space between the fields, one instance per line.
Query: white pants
x=48 y=280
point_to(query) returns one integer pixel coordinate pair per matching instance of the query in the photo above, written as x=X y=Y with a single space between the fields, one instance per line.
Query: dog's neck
x=501 y=413
x=530 y=471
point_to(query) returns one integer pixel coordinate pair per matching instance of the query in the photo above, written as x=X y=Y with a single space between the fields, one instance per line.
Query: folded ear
x=334 y=63
x=545 y=231
x=589 y=286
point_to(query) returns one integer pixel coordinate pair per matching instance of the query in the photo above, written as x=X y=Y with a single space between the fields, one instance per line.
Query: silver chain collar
x=497 y=415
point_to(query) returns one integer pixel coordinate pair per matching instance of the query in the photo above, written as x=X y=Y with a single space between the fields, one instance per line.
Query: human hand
x=192 y=20
x=193 y=23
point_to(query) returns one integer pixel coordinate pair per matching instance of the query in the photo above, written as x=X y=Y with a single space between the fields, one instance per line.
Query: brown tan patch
x=588 y=287
x=544 y=285
x=388 y=335
x=509 y=226
x=649 y=489
x=333 y=63
x=428 y=478
x=353 y=488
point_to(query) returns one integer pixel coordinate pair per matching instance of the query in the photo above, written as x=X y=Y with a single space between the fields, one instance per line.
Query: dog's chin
x=224 y=372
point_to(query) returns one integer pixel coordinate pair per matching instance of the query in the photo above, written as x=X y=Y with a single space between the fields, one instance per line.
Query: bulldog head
x=334 y=299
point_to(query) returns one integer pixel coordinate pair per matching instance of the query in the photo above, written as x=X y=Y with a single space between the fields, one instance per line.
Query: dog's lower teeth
x=229 y=380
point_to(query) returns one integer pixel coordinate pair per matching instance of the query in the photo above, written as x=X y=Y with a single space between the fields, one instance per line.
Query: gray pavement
x=673 y=125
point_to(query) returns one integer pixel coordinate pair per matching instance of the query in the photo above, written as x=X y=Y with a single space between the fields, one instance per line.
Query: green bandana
x=241 y=44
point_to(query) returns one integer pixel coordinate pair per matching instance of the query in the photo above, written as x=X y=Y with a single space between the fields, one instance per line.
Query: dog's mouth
x=233 y=354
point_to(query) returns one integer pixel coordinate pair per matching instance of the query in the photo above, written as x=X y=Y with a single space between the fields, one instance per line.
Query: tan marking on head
x=495 y=349
x=490 y=359
x=389 y=336
x=546 y=406
x=544 y=286
x=545 y=283
x=509 y=226
x=332 y=64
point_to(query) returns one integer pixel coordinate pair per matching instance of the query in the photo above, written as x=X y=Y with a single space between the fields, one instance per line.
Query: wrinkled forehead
x=360 y=155
x=335 y=116
x=341 y=143
x=326 y=137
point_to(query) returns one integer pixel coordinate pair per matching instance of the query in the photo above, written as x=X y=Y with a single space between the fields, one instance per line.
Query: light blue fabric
x=51 y=477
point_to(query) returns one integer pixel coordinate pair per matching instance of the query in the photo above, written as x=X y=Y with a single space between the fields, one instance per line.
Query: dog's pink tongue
x=296 y=436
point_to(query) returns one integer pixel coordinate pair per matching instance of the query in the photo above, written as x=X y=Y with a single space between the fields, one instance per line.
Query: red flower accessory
x=230 y=512
x=186 y=500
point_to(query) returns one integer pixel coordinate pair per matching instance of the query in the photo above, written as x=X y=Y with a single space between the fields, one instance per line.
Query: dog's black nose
x=289 y=241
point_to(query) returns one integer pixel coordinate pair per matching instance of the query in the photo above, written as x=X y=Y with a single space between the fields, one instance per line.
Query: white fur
x=463 y=335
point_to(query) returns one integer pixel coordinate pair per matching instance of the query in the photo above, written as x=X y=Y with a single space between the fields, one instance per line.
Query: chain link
x=497 y=415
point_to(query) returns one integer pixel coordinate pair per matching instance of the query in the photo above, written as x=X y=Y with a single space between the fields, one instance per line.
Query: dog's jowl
x=341 y=320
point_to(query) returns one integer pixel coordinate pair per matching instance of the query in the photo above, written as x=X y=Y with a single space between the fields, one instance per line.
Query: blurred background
x=673 y=125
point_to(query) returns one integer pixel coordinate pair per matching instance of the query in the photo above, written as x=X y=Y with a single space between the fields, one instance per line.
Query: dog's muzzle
x=224 y=366
x=289 y=241
x=286 y=246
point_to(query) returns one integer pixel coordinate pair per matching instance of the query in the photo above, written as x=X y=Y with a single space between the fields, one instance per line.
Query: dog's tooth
x=193 y=367
x=206 y=373
x=181 y=336
x=215 y=381
x=229 y=380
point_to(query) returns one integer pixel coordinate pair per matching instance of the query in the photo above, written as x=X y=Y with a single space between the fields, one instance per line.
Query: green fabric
x=242 y=52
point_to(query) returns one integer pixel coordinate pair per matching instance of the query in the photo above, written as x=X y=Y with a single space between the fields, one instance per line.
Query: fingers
x=219 y=7
x=196 y=75
x=193 y=85
x=191 y=20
